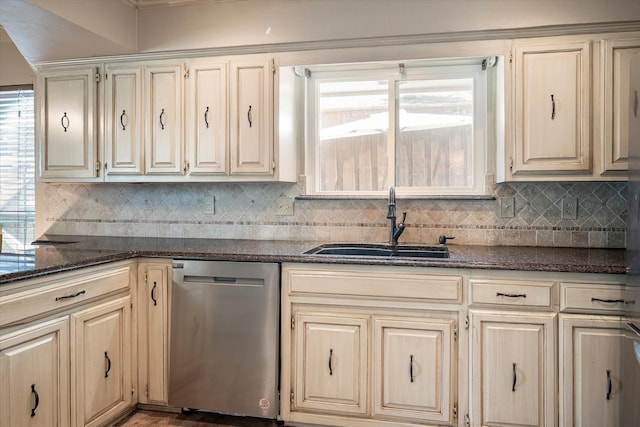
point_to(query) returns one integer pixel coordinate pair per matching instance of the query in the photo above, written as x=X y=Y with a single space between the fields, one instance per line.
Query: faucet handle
x=443 y=239
x=404 y=216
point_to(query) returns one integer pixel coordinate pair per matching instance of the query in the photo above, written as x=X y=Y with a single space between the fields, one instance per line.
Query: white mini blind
x=17 y=169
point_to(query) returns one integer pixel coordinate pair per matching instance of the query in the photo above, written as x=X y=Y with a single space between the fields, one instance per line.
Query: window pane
x=17 y=173
x=353 y=121
x=434 y=136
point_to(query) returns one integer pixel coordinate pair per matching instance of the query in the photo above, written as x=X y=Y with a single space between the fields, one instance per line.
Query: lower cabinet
x=592 y=382
x=513 y=380
x=34 y=376
x=101 y=362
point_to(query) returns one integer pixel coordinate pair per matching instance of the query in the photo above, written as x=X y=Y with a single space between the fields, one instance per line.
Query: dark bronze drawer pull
x=108 y=360
x=36 y=400
x=500 y=294
x=608 y=301
x=77 y=294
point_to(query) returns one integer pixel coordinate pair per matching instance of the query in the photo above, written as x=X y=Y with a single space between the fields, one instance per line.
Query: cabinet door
x=414 y=364
x=101 y=361
x=592 y=384
x=513 y=373
x=207 y=119
x=620 y=103
x=330 y=356
x=251 y=117
x=34 y=376
x=67 y=128
x=164 y=140
x=124 y=124
x=552 y=109
x=153 y=333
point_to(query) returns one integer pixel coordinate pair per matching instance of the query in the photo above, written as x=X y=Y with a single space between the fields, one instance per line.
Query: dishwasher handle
x=223 y=280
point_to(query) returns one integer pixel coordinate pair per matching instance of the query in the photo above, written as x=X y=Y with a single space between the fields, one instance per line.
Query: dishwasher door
x=225 y=337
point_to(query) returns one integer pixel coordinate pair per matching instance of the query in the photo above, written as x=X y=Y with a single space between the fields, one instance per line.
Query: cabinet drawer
x=60 y=292
x=595 y=298
x=388 y=284
x=511 y=293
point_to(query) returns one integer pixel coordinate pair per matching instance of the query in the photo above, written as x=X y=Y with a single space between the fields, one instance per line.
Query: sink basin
x=369 y=250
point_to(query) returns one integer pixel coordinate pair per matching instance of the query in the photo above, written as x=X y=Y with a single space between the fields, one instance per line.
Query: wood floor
x=142 y=418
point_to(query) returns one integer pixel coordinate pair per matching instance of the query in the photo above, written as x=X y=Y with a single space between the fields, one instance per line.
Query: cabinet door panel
x=67 y=132
x=164 y=120
x=413 y=369
x=123 y=145
x=251 y=118
x=552 y=109
x=157 y=333
x=513 y=370
x=331 y=363
x=101 y=360
x=207 y=119
x=34 y=376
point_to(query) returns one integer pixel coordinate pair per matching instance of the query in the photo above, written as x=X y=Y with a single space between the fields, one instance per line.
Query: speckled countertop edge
x=88 y=251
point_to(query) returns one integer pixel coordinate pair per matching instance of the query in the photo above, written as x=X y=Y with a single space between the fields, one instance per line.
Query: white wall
x=14 y=69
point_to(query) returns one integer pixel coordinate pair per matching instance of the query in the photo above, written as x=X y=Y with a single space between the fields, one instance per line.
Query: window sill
x=384 y=197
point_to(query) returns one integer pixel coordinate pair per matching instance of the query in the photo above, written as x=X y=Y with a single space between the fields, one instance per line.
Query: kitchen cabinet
x=360 y=346
x=101 y=361
x=164 y=149
x=124 y=121
x=34 y=375
x=153 y=331
x=68 y=335
x=620 y=103
x=552 y=110
x=331 y=363
x=67 y=124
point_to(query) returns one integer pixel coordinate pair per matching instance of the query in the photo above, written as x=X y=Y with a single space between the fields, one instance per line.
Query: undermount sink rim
x=384 y=250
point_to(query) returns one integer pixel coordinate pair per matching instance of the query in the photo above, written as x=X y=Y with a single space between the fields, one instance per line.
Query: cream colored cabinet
x=620 y=103
x=513 y=381
x=331 y=363
x=34 y=375
x=251 y=118
x=101 y=362
x=164 y=149
x=124 y=122
x=414 y=368
x=552 y=110
x=592 y=384
x=207 y=119
x=67 y=124
x=153 y=331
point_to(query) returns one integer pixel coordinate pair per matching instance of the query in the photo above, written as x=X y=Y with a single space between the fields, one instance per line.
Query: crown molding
x=150 y=4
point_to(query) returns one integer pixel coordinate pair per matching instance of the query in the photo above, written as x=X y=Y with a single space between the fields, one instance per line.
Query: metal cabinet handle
x=411 y=367
x=250 y=117
x=153 y=293
x=501 y=294
x=106 y=356
x=635 y=104
x=206 y=117
x=330 y=361
x=553 y=108
x=608 y=384
x=161 y=121
x=36 y=400
x=515 y=378
x=122 y=116
x=608 y=301
x=64 y=119
x=77 y=294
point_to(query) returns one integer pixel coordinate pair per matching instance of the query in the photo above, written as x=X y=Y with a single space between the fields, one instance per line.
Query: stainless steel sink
x=375 y=250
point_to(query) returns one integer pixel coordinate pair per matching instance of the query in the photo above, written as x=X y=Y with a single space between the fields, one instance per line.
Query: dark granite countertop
x=70 y=252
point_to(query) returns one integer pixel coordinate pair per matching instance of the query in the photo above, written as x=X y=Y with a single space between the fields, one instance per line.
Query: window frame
x=394 y=71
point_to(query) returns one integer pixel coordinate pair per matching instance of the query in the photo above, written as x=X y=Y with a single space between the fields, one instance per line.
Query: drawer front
x=404 y=285
x=512 y=293
x=591 y=298
x=58 y=294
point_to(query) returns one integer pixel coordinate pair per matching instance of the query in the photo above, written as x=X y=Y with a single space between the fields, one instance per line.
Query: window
x=17 y=169
x=419 y=126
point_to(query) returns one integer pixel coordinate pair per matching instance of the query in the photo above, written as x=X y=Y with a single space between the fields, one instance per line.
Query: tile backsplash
x=251 y=211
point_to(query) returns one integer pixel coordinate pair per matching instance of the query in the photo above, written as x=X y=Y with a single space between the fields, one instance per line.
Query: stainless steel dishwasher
x=225 y=337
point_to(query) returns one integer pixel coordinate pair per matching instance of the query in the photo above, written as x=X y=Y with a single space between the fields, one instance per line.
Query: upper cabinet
x=552 y=109
x=67 y=126
x=203 y=119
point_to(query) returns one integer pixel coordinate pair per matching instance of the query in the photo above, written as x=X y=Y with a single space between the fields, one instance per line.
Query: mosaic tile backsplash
x=250 y=211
